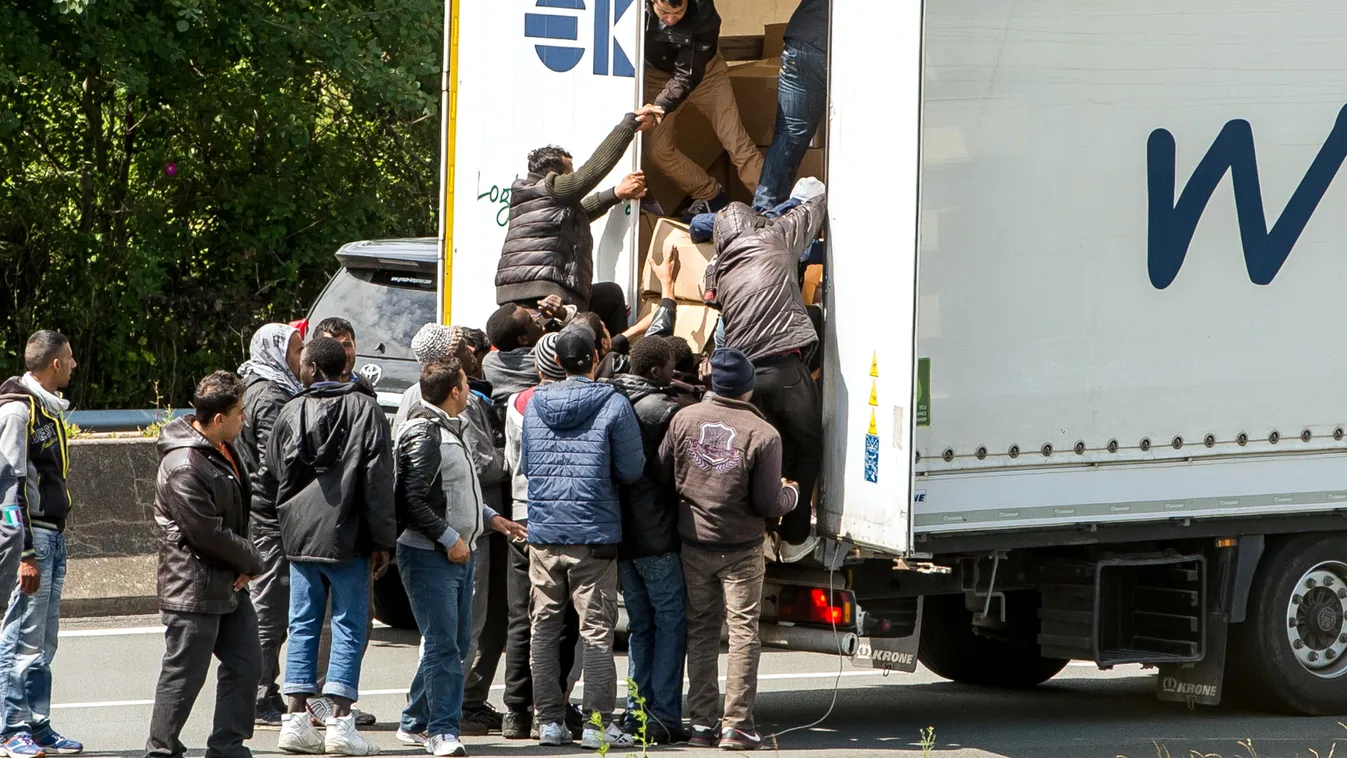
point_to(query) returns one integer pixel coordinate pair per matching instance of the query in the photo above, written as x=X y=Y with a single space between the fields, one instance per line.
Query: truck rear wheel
x=951 y=648
x=1290 y=653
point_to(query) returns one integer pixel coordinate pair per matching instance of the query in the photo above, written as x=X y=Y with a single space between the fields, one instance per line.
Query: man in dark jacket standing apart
x=549 y=248
x=580 y=441
x=684 y=66
x=725 y=460
x=271 y=376
x=201 y=505
x=650 y=569
x=755 y=280
x=33 y=621
x=329 y=463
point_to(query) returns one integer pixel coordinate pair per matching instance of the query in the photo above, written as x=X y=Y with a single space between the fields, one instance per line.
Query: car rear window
x=385 y=307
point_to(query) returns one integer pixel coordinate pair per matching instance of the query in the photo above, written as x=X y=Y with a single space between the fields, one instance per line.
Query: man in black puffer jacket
x=205 y=561
x=549 y=248
x=649 y=566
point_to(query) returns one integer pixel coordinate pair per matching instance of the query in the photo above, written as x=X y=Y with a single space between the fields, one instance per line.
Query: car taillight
x=811 y=605
x=303 y=326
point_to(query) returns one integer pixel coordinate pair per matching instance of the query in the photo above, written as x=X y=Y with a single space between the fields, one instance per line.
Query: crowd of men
x=537 y=468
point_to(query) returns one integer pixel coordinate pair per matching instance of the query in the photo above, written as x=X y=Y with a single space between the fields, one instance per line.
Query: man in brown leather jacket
x=201 y=507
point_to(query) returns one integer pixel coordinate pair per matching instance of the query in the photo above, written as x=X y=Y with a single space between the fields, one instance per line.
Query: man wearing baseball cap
x=580 y=441
x=725 y=461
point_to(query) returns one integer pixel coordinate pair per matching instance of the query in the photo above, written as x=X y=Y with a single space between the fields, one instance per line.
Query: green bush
x=174 y=174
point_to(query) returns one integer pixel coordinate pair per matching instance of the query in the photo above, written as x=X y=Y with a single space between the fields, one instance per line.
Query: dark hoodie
x=510 y=372
x=649 y=507
x=201 y=511
x=754 y=278
x=262 y=400
x=329 y=469
x=578 y=437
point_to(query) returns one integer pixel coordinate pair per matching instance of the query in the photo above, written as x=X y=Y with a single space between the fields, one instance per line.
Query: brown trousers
x=561 y=576
x=714 y=97
x=723 y=587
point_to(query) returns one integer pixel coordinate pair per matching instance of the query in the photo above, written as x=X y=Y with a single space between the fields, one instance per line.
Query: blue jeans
x=801 y=100
x=441 y=596
x=656 y=601
x=28 y=642
x=310 y=585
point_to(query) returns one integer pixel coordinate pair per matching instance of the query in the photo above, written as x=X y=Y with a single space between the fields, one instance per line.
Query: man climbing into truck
x=754 y=280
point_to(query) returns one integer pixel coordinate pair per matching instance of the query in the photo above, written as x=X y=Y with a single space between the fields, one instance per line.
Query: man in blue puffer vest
x=580 y=440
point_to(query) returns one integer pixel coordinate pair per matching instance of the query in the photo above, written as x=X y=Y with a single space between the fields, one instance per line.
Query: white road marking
x=118 y=632
x=403 y=690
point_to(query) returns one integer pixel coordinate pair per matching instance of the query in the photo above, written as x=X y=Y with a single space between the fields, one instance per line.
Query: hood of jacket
x=636 y=388
x=178 y=434
x=572 y=403
x=322 y=438
x=736 y=221
x=26 y=385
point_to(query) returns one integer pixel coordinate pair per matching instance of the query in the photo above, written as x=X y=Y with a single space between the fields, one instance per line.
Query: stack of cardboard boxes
x=755 y=84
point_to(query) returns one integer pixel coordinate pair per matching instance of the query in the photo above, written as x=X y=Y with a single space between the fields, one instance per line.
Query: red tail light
x=811 y=605
x=303 y=326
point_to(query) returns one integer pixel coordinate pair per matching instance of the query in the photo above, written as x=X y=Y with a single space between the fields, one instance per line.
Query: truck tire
x=1299 y=595
x=391 y=605
x=950 y=648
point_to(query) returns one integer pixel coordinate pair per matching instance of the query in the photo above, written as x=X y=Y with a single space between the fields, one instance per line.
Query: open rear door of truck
x=524 y=74
x=870 y=296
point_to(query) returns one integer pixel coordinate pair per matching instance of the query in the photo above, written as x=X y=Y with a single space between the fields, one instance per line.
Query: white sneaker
x=298 y=735
x=417 y=739
x=595 y=738
x=343 y=739
x=554 y=734
x=445 y=745
x=790 y=553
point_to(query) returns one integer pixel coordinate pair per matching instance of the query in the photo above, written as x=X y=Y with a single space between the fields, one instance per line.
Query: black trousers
x=190 y=641
x=491 y=641
x=518 y=673
x=788 y=396
x=271 y=600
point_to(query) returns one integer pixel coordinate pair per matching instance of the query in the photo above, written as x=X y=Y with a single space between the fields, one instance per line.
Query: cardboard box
x=773 y=40
x=747 y=17
x=692 y=260
x=813 y=279
x=694 y=322
x=814 y=164
x=755 y=93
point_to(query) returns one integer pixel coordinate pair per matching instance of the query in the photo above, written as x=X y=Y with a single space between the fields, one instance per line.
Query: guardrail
x=99 y=422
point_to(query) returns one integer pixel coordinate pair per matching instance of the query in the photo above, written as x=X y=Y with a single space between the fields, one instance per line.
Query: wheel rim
x=1315 y=620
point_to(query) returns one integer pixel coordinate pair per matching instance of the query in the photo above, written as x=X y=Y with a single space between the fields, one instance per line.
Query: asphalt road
x=106 y=669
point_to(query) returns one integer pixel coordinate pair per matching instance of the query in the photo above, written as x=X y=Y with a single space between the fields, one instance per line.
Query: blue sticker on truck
x=872 y=458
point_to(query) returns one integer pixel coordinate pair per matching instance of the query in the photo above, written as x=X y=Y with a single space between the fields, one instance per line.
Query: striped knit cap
x=545 y=356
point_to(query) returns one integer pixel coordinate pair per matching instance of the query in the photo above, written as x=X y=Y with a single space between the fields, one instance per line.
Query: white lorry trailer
x=1081 y=371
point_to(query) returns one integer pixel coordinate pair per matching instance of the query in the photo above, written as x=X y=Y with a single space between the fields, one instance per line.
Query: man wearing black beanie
x=725 y=461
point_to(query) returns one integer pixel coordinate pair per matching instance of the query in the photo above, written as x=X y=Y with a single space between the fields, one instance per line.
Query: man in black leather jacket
x=205 y=562
x=650 y=569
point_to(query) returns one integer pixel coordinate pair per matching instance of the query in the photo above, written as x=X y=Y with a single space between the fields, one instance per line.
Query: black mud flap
x=890 y=653
x=1197 y=683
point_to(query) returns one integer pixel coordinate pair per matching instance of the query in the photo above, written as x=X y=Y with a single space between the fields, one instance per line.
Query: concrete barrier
x=110 y=534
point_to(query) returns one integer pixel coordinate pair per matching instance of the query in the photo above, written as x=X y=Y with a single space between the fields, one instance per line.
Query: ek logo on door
x=609 y=57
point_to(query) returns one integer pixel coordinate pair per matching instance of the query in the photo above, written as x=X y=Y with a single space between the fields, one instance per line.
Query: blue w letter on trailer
x=1171 y=225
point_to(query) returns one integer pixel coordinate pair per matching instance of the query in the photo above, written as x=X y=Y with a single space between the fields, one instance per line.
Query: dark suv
x=386 y=289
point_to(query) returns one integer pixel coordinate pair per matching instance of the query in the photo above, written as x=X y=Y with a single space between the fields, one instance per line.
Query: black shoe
x=740 y=739
x=703 y=736
x=267 y=716
x=516 y=725
x=698 y=207
x=481 y=720
x=657 y=733
x=575 y=721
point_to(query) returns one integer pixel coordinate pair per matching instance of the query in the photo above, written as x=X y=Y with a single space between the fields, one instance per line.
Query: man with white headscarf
x=271 y=377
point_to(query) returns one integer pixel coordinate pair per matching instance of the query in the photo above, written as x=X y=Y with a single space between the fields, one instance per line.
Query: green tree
x=174 y=174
